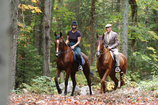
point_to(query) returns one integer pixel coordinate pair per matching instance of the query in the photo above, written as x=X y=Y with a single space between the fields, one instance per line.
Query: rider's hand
x=109 y=48
x=72 y=47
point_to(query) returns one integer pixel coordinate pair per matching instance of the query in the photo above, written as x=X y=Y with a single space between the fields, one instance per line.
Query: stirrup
x=80 y=68
x=117 y=69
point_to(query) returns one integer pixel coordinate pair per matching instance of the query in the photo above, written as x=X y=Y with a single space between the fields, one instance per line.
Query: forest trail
x=123 y=96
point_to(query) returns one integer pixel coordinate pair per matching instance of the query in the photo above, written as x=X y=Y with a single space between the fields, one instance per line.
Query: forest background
x=32 y=31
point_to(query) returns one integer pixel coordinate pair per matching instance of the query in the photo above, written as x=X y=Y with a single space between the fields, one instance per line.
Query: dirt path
x=124 y=96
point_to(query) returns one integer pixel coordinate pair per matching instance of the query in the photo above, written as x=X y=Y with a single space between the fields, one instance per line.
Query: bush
x=41 y=85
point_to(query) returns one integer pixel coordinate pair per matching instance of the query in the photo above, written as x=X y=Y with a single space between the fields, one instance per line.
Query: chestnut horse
x=65 y=61
x=105 y=63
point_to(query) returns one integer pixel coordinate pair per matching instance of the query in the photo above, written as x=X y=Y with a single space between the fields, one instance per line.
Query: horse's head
x=58 y=44
x=99 y=45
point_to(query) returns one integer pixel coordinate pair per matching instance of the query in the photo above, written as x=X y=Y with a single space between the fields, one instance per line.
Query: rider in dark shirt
x=74 y=38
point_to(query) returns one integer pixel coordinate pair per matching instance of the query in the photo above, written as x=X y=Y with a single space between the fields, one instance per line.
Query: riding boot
x=117 y=69
x=79 y=63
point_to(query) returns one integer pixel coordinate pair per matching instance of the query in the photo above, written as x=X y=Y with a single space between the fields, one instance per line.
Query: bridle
x=101 y=52
x=61 y=47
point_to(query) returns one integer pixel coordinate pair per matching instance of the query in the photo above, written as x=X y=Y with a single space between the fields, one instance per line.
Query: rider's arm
x=78 y=42
x=116 y=41
x=67 y=40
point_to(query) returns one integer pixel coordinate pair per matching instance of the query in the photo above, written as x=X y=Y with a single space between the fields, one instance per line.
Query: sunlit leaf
x=152 y=49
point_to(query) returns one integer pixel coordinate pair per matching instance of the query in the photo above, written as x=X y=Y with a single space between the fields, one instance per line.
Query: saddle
x=75 y=57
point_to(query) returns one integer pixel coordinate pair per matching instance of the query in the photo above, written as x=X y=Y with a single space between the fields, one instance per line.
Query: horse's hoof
x=59 y=91
x=65 y=94
x=72 y=94
x=115 y=88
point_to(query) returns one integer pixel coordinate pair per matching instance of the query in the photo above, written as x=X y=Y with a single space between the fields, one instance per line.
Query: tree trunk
x=92 y=32
x=46 y=37
x=118 y=10
x=155 y=15
x=14 y=40
x=147 y=16
x=59 y=26
x=38 y=28
x=40 y=36
x=125 y=28
x=134 y=8
x=4 y=51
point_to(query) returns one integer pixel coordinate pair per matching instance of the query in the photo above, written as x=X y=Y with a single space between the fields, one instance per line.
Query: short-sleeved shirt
x=73 y=37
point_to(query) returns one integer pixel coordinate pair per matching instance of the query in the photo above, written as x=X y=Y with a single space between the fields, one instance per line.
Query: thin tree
x=4 y=51
x=118 y=10
x=92 y=32
x=125 y=28
x=134 y=9
x=38 y=30
x=14 y=35
x=46 y=37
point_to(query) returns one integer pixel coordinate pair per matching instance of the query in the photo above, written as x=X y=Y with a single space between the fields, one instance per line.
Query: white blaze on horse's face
x=98 y=50
x=57 y=50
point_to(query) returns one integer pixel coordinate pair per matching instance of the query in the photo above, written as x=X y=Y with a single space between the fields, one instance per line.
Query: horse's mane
x=64 y=42
x=100 y=38
x=58 y=37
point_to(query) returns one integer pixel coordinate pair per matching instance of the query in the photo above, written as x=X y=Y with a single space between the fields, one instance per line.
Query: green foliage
x=149 y=85
x=29 y=64
x=41 y=85
x=81 y=79
x=133 y=76
x=17 y=91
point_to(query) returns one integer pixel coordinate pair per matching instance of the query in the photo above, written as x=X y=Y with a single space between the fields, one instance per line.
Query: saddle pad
x=76 y=59
x=112 y=55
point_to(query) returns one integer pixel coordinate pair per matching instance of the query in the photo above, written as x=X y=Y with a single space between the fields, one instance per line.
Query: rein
x=101 y=52
x=63 y=52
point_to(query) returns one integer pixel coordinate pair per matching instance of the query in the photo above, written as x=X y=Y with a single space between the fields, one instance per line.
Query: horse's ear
x=60 y=34
x=55 y=34
x=97 y=35
x=103 y=36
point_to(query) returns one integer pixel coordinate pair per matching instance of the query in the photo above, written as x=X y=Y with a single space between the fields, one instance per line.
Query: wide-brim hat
x=108 y=25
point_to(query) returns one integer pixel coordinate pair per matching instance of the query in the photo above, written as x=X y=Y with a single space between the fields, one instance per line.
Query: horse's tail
x=125 y=63
x=87 y=62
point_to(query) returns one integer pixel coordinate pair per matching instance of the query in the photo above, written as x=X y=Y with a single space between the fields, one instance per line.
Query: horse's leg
x=121 y=79
x=101 y=73
x=66 y=81
x=113 y=77
x=74 y=82
x=56 y=81
x=122 y=73
x=107 y=72
x=86 y=71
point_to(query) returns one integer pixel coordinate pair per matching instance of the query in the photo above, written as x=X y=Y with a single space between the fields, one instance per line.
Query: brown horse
x=65 y=61
x=105 y=62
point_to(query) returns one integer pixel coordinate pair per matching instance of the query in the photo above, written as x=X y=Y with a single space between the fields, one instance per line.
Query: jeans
x=77 y=50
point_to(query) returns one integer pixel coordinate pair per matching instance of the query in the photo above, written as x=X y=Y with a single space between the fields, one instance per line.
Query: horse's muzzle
x=97 y=54
x=57 y=54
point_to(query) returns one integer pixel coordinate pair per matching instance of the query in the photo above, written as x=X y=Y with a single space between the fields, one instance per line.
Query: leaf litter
x=123 y=96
